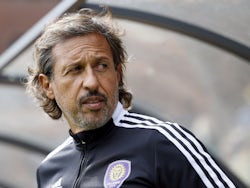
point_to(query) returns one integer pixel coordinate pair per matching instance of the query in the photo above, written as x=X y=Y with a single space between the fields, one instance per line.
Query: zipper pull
x=83 y=145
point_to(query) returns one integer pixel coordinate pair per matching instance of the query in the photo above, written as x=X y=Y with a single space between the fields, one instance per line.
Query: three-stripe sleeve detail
x=209 y=172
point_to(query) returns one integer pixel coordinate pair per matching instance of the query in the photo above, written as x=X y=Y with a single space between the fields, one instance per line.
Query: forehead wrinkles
x=82 y=47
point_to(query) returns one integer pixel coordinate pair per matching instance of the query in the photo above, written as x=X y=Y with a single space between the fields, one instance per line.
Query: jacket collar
x=91 y=137
x=118 y=113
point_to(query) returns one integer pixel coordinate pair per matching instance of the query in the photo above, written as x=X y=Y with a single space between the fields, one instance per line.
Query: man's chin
x=93 y=120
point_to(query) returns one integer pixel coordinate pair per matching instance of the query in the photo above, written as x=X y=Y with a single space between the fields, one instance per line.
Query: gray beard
x=90 y=123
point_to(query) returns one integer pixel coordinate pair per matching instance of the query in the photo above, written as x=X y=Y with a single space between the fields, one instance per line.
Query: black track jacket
x=131 y=151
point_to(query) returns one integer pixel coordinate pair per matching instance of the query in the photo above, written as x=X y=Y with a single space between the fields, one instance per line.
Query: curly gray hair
x=83 y=22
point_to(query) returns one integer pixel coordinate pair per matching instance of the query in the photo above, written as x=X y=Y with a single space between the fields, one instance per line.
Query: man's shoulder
x=158 y=129
x=135 y=120
x=54 y=163
x=58 y=149
x=169 y=133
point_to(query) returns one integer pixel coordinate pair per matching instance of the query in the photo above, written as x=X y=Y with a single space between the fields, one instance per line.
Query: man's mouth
x=93 y=102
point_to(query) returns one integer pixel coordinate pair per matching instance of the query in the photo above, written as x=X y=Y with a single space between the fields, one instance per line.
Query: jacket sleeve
x=182 y=161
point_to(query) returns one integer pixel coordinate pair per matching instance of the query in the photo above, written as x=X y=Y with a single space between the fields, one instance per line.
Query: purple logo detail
x=116 y=173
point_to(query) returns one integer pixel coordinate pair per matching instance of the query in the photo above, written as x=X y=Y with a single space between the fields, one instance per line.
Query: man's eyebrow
x=77 y=62
x=68 y=66
x=103 y=58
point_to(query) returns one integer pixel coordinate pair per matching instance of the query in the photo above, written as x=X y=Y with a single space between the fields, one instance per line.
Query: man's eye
x=101 y=67
x=75 y=69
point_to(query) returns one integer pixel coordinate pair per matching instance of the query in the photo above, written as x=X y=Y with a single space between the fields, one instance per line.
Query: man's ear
x=46 y=85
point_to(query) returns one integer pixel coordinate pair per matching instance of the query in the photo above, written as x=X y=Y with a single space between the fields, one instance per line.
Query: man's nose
x=90 y=80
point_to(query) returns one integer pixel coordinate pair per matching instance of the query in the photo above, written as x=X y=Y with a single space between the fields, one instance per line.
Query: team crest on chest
x=116 y=173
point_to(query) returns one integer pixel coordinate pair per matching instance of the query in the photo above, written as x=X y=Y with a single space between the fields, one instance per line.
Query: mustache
x=91 y=94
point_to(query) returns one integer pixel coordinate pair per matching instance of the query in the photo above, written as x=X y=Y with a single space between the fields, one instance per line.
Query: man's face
x=85 y=81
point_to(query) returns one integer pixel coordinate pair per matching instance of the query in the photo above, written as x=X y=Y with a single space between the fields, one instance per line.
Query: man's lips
x=93 y=99
x=93 y=102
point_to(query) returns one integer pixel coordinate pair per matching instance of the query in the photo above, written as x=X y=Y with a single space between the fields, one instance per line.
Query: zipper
x=83 y=159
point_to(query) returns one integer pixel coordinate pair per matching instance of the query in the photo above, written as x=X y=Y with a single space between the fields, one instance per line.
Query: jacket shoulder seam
x=58 y=148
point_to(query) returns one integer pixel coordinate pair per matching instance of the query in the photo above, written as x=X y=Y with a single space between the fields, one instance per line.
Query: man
x=80 y=61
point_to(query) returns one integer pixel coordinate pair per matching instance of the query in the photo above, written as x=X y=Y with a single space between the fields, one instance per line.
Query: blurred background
x=189 y=63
